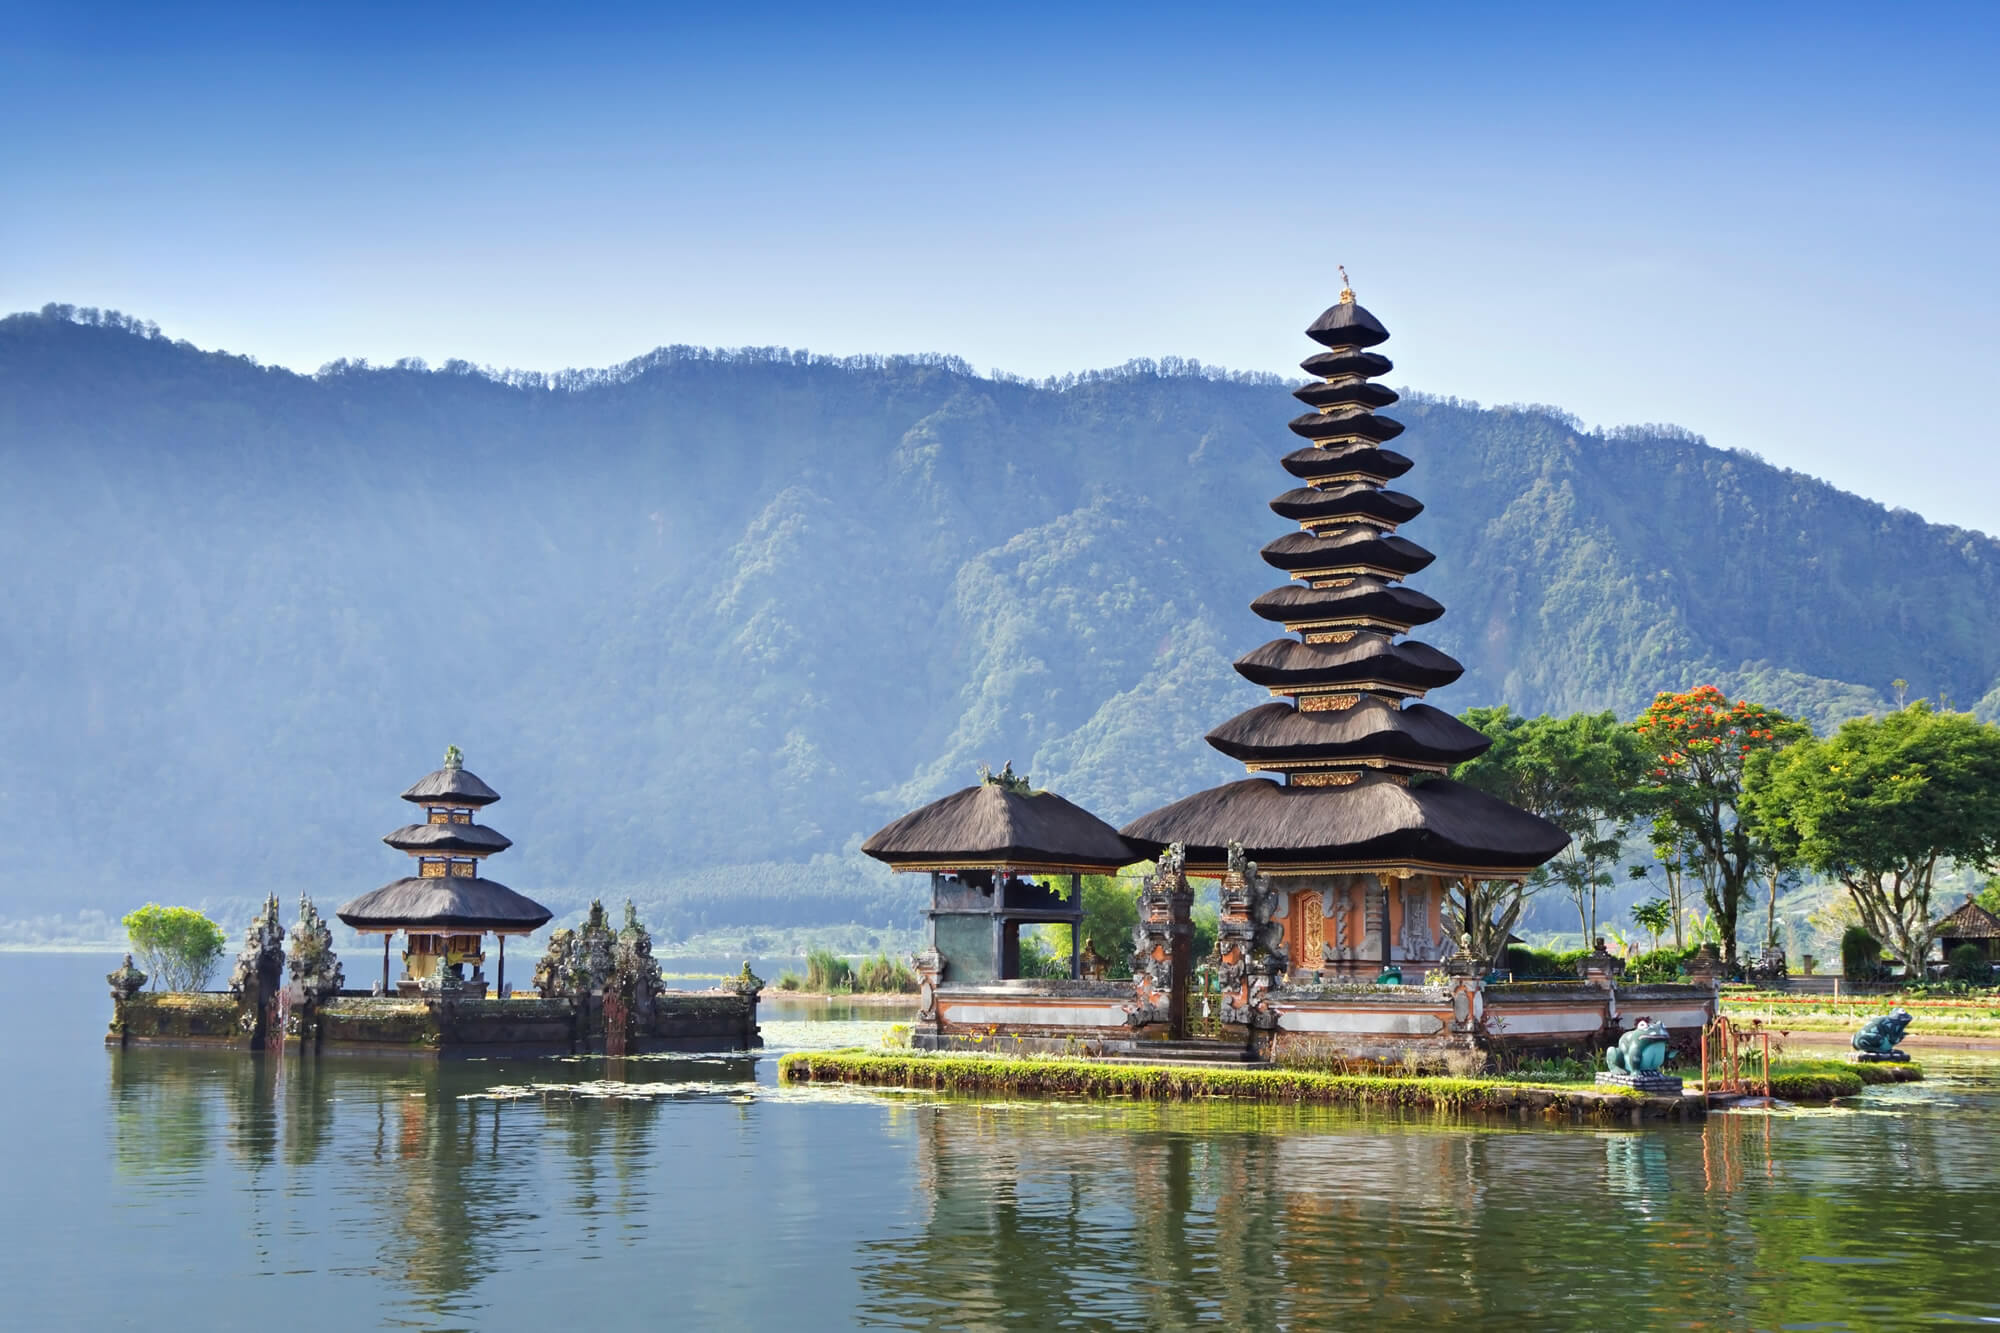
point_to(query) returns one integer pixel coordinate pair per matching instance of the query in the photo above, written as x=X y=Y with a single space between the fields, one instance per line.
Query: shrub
x=1542 y=965
x=883 y=973
x=827 y=971
x=177 y=947
x=1968 y=963
x=1860 y=955
x=1659 y=965
x=788 y=981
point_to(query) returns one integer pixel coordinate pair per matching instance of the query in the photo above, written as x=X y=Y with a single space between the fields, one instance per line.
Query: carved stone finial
x=127 y=981
x=454 y=758
x=315 y=968
x=745 y=982
x=1007 y=779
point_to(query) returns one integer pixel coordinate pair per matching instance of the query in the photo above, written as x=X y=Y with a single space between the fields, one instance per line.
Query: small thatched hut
x=996 y=853
x=1970 y=924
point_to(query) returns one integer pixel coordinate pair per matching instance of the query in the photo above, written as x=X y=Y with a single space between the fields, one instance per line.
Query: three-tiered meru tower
x=446 y=908
x=1359 y=829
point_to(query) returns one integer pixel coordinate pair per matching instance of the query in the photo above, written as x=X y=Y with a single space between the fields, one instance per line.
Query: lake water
x=180 y=1189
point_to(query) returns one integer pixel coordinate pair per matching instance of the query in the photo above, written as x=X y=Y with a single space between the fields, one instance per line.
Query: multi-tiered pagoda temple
x=1356 y=818
x=446 y=907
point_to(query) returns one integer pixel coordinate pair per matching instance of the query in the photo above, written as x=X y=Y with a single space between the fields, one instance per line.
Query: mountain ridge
x=733 y=609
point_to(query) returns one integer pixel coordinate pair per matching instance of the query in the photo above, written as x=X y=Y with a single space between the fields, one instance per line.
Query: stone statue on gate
x=1878 y=1037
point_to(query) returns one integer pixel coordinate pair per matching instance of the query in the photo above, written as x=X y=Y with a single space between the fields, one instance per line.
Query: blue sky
x=1775 y=227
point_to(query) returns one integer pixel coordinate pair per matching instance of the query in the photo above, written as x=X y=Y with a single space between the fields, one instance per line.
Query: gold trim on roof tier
x=1308 y=575
x=1333 y=583
x=1328 y=703
x=1311 y=627
x=1313 y=525
x=1324 y=636
x=1344 y=779
x=1398 y=692
x=1399 y=869
x=1288 y=766
x=1344 y=478
x=430 y=870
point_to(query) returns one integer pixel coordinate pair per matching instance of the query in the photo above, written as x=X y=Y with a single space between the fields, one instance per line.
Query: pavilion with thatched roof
x=1969 y=924
x=446 y=908
x=996 y=853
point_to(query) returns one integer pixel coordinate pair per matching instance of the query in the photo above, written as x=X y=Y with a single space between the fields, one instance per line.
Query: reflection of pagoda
x=1363 y=826
x=446 y=907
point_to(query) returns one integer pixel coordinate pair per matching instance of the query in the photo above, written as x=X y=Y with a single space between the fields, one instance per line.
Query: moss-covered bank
x=1069 y=1077
x=1824 y=1080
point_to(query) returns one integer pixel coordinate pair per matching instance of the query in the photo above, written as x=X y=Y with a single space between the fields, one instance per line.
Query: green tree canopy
x=1700 y=743
x=1881 y=805
x=1582 y=773
x=177 y=947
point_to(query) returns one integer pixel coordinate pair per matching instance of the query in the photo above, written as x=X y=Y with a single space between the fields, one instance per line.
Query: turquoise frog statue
x=1641 y=1051
x=1879 y=1035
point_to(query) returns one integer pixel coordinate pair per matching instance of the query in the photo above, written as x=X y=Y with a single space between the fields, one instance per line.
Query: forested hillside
x=708 y=618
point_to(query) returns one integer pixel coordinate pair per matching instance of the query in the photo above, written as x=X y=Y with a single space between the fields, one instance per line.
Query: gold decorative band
x=1326 y=779
x=1328 y=703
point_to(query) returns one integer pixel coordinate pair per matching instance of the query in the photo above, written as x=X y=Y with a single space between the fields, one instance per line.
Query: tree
x=1581 y=773
x=1881 y=805
x=1700 y=743
x=177 y=946
x=1654 y=916
x=1110 y=914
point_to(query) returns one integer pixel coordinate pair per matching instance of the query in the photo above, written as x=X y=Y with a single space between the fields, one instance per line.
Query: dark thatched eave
x=1347 y=325
x=1364 y=459
x=1370 y=728
x=1346 y=425
x=1358 y=499
x=448 y=838
x=1348 y=393
x=451 y=786
x=988 y=825
x=1969 y=922
x=1283 y=663
x=1377 y=823
x=447 y=902
x=1346 y=361
x=1365 y=597
x=1362 y=547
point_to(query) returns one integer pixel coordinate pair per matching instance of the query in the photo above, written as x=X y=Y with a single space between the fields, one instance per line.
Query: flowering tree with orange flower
x=1700 y=741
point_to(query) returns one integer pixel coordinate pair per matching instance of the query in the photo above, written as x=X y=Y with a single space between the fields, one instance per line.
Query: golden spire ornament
x=1346 y=289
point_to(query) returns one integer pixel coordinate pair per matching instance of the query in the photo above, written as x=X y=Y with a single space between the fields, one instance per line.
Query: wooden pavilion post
x=387 y=935
x=500 y=981
x=1076 y=927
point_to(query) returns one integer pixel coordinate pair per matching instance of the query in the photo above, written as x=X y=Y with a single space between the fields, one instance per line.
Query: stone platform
x=1875 y=1058
x=1660 y=1085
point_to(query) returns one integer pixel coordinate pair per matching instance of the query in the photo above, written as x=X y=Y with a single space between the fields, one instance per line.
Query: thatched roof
x=1969 y=922
x=1346 y=361
x=451 y=785
x=1364 y=658
x=448 y=838
x=1356 y=499
x=1362 y=425
x=1347 y=325
x=1313 y=461
x=449 y=902
x=1375 y=823
x=1367 y=596
x=1347 y=393
x=1369 y=728
x=989 y=825
x=1358 y=547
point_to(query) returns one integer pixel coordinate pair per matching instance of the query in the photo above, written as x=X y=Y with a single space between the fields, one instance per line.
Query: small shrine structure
x=994 y=853
x=447 y=908
x=1969 y=924
x=1348 y=814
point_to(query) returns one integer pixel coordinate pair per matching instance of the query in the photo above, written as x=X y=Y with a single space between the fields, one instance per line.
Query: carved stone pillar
x=1163 y=945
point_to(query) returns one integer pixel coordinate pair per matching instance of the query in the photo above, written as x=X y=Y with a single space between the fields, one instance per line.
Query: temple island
x=597 y=988
x=1364 y=895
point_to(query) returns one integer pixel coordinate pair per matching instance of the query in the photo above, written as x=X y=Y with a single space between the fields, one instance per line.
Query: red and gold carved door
x=1308 y=932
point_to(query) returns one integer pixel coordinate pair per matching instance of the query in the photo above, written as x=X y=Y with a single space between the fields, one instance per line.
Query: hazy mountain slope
x=739 y=609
